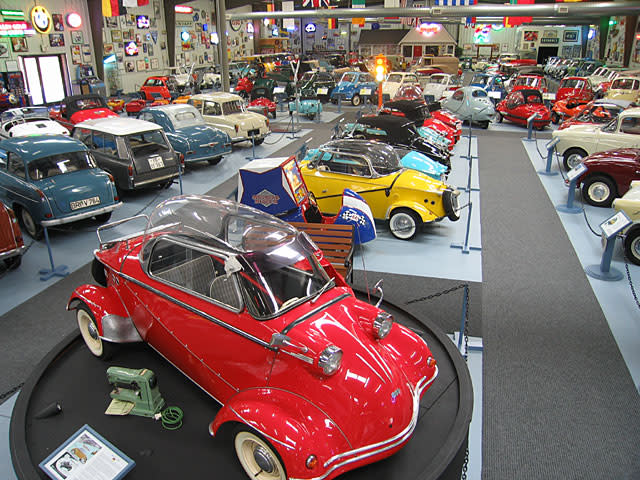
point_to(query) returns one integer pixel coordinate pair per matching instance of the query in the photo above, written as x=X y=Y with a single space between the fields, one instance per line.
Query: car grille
x=254 y=132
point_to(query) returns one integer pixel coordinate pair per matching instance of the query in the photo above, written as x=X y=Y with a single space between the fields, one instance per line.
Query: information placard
x=496 y=95
x=86 y=454
x=278 y=90
x=322 y=91
x=615 y=224
x=548 y=96
x=576 y=171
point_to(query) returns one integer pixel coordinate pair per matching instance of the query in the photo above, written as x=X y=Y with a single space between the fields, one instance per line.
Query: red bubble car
x=518 y=106
x=314 y=381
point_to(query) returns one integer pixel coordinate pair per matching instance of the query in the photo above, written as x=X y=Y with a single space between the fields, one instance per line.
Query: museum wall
x=614 y=51
x=240 y=40
x=634 y=61
x=198 y=48
x=75 y=44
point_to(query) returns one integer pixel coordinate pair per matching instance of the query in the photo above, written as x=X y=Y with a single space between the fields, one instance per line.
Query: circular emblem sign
x=235 y=25
x=41 y=19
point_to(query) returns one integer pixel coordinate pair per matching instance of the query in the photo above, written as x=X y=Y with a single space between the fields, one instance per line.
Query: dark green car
x=318 y=84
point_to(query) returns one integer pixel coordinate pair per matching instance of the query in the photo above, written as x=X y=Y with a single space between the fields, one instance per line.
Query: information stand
x=610 y=230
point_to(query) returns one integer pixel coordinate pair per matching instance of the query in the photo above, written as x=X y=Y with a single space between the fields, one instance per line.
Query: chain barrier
x=560 y=168
x=633 y=290
x=465 y=465
x=439 y=294
x=584 y=214
x=8 y=393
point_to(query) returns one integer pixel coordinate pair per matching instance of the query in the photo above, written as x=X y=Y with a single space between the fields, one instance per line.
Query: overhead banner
x=288 y=23
x=358 y=4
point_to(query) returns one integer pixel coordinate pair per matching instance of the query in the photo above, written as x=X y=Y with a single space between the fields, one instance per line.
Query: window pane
x=53 y=86
x=33 y=80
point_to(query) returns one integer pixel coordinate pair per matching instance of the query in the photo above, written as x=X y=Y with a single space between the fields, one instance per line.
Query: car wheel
x=450 y=203
x=13 y=262
x=555 y=118
x=274 y=113
x=599 y=191
x=258 y=458
x=311 y=116
x=90 y=334
x=34 y=230
x=404 y=223
x=356 y=100
x=214 y=161
x=484 y=124
x=103 y=217
x=500 y=117
x=260 y=141
x=573 y=157
x=632 y=244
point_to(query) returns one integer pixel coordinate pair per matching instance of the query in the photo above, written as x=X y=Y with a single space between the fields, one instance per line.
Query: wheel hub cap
x=263 y=459
x=599 y=192
x=93 y=332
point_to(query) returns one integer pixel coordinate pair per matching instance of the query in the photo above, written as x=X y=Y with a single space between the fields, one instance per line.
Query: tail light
x=113 y=180
x=237 y=127
x=182 y=159
x=130 y=170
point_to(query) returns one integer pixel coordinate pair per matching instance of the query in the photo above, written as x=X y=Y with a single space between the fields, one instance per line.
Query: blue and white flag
x=453 y=3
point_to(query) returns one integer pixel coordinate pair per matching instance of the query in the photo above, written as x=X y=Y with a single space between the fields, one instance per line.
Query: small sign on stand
x=572 y=177
x=610 y=229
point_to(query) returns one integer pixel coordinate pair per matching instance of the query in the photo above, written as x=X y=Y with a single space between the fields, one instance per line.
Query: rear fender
x=295 y=427
x=114 y=323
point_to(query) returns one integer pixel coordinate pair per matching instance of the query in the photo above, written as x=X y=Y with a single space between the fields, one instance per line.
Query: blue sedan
x=51 y=180
x=188 y=134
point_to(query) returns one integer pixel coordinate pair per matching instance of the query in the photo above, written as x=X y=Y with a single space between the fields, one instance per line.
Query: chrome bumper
x=13 y=253
x=155 y=180
x=248 y=139
x=80 y=216
x=367 y=451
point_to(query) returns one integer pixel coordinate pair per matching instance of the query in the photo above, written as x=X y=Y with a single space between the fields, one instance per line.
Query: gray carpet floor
x=558 y=402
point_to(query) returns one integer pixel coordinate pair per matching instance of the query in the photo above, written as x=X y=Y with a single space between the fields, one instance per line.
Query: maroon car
x=11 y=243
x=609 y=175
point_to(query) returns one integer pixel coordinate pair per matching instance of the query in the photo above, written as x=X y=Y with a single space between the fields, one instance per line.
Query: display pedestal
x=72 y=377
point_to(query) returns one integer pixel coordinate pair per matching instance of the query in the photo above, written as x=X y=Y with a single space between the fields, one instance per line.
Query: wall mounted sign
x=15 y=14
x=549 y=40
x=183 y=23
x=310 y=27
x=429 y=29
x=41 y=19
x=183 y=9
x=74 y=20
x=235 y=25
x=250 y=28
x=16 y=29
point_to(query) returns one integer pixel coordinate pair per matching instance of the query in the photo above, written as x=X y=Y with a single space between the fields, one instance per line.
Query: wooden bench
x=335 y=241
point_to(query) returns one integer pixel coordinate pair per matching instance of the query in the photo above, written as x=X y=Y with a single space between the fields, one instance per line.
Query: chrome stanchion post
x=572 y=176
x=611 y=227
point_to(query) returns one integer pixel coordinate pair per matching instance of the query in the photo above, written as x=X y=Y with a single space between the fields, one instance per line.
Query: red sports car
x=575 y=88
x=599 y=111
x=315 y=381
x=518 y=106
x=609 y=175
x=78 y=108
x=11 y=242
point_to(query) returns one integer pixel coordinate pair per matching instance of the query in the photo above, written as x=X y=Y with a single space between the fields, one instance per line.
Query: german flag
x=332 y=23
x=113 y=8
x=271 y=8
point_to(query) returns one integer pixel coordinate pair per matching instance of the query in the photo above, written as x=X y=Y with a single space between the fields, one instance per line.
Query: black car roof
x=353 y=145
x=405 y=105
x=385 y=122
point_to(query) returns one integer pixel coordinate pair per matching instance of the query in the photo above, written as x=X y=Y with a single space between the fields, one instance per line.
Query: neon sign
x=16 y=29
x=429 y=29
x=41 y=19
x=183 y=9
x=310 y=27
x=74 y=20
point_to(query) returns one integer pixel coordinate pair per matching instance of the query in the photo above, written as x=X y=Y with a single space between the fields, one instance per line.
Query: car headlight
x=382 y=325
x=330 y=359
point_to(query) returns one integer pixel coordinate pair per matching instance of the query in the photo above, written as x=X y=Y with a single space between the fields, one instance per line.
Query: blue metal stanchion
x=530 y=127
x=253 y=148
x=293 y=128
x=469 y=158
x=59 y=271
x=551 y=146
x=605 y=271
x=339 y=102
x=572 y=176
x=180 y=178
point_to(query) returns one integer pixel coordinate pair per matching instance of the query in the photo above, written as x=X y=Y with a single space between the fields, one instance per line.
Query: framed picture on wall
x=19 y=44
x=107 y=48
x=111 y=22
x=150 y=49
x=56 y=39
x=4 y=49
x=156 y=8
x=77 y=37
x=58 y=24
x=570 y=36
x=530 y=36
x=155 y=64
x=141 y=65
x=129 y=66
x=126 y=36
x=116 y=36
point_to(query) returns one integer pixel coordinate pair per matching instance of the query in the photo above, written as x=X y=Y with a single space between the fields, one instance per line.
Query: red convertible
x=78 y=108
x=596 y=112
x=609 y=175
x=520 y=105
x=313 y=381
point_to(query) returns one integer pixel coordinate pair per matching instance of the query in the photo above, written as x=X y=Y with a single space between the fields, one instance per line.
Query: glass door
x=54 y=87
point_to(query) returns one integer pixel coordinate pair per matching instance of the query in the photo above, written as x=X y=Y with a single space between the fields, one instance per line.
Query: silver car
x=471 y=104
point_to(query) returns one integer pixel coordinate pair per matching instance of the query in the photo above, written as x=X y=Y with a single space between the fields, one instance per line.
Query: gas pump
x=89 y=81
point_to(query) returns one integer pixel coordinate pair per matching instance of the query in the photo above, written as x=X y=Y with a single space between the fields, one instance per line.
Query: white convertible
x=27 y=121
x=441 y=85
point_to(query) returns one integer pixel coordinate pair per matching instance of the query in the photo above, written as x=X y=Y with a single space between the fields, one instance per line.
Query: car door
x=627 y=135
x=198 y=321
x=15 y=187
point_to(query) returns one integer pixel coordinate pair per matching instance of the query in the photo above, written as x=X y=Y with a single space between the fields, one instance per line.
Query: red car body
x=78 y=108
x=11 y=242
x=159 y=86
x=526 y=82
x=259 y=323
x=566 y=109
x=262 y=97
x=244 y=87
x=609 y=175
x=598 y=112
x=450 y=120
x=576 y=88
x=519 y=105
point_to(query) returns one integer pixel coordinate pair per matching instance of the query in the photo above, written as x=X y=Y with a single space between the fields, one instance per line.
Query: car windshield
x=89 y=103
x=611 y=126
x=530 y=81
x=573 y=83
x=384 y=160
x=235 y=106
x=394 y=78
x=186 y=117
x=480 y=80
x=307 y=77
x=24 y=113
x=59 y=164
x=349 y=77
x=148 y=143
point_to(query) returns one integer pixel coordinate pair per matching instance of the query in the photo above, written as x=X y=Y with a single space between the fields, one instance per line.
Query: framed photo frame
x=116 y=36
x=107 y=48
x=129 y=66
x=570 y=36
x=56 y=39
x=155 y=64
x=141 y=65
x=58 y=22
x=111 y=22
x=4 y=49
x=77 y=38
x=19 y=44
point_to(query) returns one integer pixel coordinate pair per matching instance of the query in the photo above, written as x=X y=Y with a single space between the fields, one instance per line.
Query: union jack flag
x=409 y=21
x=316 y=3
x=453 y=3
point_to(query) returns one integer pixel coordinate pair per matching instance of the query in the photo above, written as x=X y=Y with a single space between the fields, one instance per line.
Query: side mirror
x=378 y=288
x=279 y=339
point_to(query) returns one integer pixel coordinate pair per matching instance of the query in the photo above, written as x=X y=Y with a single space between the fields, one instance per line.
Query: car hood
x=39 y=127
x=423 y=164
x=70 y=187
x=83 y=115
x=621 y=155
x=370 y=396
x=585 y=129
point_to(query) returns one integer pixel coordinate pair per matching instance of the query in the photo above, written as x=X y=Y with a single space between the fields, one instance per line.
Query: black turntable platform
x=72 y=377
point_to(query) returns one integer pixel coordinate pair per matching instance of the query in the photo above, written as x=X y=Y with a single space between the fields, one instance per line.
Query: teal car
x=51 y=180
x=389 y=155
x=188 y=133
x=309 y=107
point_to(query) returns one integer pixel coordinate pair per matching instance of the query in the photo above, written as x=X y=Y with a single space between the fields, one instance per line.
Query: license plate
x=323 y=91
x=549 y=96
x=254 y=133
x=365 y=91
x=87 y=202
x=155 y=163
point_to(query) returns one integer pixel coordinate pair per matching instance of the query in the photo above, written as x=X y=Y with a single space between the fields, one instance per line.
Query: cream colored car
x=578 y=141
x=630 y=204
x=624 y=88
x=227 y=112
x=395 y=80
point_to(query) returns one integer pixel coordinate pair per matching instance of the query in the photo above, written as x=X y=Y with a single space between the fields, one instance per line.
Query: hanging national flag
x=332 y=23
x=271 y=8
x=515 y=21
x=453 y=3
x=358 y=4
x=113 y=8
x=315 y=3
